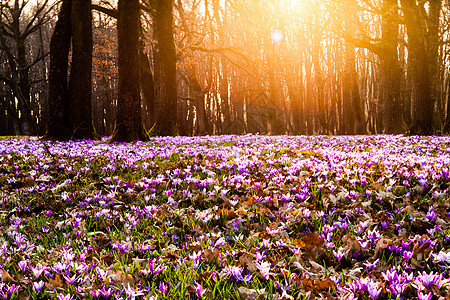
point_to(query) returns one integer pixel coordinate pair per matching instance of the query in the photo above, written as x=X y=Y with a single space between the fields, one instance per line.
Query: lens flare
x=277 y=36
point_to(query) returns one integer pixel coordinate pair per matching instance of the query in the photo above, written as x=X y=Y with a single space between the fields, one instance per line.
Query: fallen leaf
x=54 y=283
x=6 y=277
x=251 y=294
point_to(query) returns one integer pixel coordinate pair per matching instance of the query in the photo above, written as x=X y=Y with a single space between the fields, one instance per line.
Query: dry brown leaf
x=6 y=277
x=246 y=260
x=211 y=255
x=324 y=284
x=204 y=277
x=421 y=252
x=380 y=246
x=54 y=283
x=251 y=294
x=119 y=278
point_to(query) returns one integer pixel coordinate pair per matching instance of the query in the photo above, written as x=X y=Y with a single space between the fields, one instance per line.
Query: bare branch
x=113 y=13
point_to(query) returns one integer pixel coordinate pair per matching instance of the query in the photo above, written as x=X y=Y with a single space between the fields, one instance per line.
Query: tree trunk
x=319 y=83
x=224 y=86
x=165 y=70
x=423 y=100
x=391 y=72
x=58 y=125
x=80 y=83
x=446 y=128
x=27 y=124
x=129 y=126
x=347 y=86
x=434 y=59
x=147 y=86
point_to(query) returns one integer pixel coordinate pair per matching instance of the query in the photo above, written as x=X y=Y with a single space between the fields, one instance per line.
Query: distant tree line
x=76 y=69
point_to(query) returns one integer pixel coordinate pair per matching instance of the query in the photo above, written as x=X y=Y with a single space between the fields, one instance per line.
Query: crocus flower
x=71 y=280
x=196 y=256
x=133 y=293
x=408 y=255
x=23 y=265
x=165 y=287
x=37 y=271
x=373 y=288
x=442 y=257
x=272 y=231
x=102 y=293
x=235 y=271
x=371 y=266
x=264 y=268
x=156 y=270
x=426 y=280
x=64 y=297
x=422 y=296
x=198 y=290
x=37 y=286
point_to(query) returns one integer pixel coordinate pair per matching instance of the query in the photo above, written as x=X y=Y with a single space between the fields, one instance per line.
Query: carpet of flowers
x=226 y=217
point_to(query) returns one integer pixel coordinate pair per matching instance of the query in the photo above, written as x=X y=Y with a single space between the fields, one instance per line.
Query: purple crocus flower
x=123 y=248
x=156 y=270
x=37 y=271
x=23 y=265
x=408 y=255
x=71 y=280
x=7 y=291
x=105 y=294
x=165 y=287
x=425 y=280
x=373 y=288
x=371 y=266
x=422 y=296
x=198 y=290
x=64 y=297
x=431 y=214
x=391 y=276
x=235 y=271
x=37 y=286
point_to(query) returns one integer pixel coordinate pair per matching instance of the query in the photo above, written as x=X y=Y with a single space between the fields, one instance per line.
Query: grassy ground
x=228 y=217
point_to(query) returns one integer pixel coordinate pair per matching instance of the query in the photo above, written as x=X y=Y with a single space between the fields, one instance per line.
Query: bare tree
x=129 y=126
x=16 y=27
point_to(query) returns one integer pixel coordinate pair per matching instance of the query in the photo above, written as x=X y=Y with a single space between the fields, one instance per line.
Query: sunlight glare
x=277 y=36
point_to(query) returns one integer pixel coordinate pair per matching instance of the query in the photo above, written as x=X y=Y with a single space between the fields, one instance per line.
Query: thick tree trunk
x=423 y=100
x=198 y=94
x=147 y=87
x=446 y=128
x=129 y=126
x=165 y=71
x=391 y=73
x=58 y=125
x=80 y=83
x=434 y=59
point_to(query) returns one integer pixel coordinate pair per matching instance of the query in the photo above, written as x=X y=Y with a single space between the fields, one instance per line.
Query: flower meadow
x=226 y=217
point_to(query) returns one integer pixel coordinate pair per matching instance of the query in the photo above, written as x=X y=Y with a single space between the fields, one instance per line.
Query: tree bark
x=129 y=126
x=347 y=87
x=80 y=83
x=434 y=59
x=165 y=70
x=58 y=125
x=423 y=100
x=391 y=72
x=147 y=86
